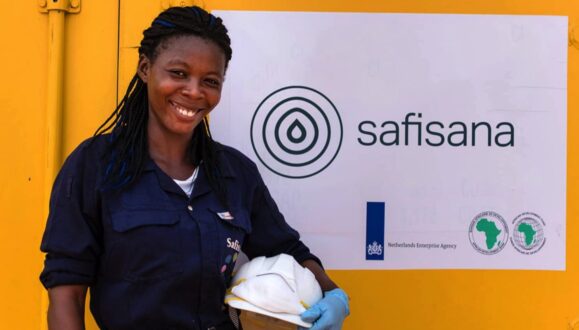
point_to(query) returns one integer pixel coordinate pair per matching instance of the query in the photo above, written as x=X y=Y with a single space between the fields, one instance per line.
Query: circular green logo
x=488 y=232
x=528 y=233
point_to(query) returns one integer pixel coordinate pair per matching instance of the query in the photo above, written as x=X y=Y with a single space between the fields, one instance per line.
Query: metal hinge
x=179 y=3
x=68 y=6
x=573 y=42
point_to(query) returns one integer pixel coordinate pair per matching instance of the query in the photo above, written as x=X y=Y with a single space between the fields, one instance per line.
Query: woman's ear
x=143 y=68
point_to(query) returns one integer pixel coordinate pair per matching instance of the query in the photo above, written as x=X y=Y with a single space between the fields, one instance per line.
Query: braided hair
x=128 y=148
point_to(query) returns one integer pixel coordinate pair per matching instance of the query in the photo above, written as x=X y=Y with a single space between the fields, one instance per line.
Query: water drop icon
x=296 y=132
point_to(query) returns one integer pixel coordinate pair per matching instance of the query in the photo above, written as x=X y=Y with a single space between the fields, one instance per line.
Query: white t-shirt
x=187 y=184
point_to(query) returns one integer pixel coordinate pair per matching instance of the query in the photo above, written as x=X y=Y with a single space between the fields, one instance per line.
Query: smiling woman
x=183 y=84
x=151 y=213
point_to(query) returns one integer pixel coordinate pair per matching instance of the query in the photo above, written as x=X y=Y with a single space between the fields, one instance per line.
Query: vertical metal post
x=54 y=100
x=56 y=10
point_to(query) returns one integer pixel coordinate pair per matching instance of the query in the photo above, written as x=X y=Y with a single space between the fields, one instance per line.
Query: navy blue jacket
x=154 y=258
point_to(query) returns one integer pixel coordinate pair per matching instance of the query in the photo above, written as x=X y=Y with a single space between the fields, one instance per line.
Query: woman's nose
x=192 y=89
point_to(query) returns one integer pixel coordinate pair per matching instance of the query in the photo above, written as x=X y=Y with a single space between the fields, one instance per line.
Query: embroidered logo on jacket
x=225 y=215
x=233 y=244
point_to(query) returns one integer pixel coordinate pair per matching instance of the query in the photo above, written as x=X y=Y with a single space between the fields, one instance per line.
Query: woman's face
x=183 y=83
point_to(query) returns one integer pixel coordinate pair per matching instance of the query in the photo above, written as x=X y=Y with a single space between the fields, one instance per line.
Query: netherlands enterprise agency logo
x=296 y=132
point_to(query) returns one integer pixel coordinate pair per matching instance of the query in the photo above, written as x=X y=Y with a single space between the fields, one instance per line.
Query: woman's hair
x=128 y=148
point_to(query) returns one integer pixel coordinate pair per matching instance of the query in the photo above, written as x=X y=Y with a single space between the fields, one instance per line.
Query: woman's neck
x=169 y=152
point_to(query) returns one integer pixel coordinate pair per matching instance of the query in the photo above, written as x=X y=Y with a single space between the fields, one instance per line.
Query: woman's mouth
x=187 y=112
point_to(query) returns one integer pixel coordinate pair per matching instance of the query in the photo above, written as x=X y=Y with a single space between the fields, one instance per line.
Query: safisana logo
x=528 y=233
x=296 y=132
x=488 y=232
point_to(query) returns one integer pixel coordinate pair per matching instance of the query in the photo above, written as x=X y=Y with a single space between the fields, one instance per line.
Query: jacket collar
x=201 y=184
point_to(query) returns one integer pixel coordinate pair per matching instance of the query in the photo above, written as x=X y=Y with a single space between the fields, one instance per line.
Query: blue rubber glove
x=329 y=313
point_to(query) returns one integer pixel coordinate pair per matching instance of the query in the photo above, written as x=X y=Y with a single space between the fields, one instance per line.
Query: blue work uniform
x=153 y=257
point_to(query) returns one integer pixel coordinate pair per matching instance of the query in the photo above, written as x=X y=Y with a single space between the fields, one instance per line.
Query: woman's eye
x=213 y=82
x=178 y=73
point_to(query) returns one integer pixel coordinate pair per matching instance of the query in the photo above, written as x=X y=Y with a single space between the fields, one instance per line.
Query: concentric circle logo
x=528 y=233
x=296 y=132
x=488 y=232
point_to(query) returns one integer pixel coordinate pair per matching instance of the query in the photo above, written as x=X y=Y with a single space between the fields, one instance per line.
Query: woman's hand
x=66 y=308
x=329 y=313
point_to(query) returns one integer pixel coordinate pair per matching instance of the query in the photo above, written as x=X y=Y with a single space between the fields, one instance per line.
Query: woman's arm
x=66 y=308
x=323 y=279
x=328 y=313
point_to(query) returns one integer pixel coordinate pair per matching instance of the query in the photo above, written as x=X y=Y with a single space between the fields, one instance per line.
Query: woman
x=151 y=213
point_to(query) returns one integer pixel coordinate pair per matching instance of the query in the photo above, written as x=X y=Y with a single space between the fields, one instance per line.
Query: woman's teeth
x=185 y=112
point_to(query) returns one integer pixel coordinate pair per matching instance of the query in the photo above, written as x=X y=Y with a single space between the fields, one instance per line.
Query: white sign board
x=406 y=141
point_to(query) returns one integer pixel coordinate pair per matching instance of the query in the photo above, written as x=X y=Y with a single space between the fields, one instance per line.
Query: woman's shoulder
x=89 y=153
x=234 y=160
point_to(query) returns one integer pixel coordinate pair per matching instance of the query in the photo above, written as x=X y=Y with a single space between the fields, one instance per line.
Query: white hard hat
x=278 y=287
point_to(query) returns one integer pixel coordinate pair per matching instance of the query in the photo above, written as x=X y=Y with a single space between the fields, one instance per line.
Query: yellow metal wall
x=90 y=92
x=380 y=299
x=21 y=92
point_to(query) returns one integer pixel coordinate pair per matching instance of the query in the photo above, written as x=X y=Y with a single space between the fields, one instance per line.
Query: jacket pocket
x=239 y=220
x=145 y=245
